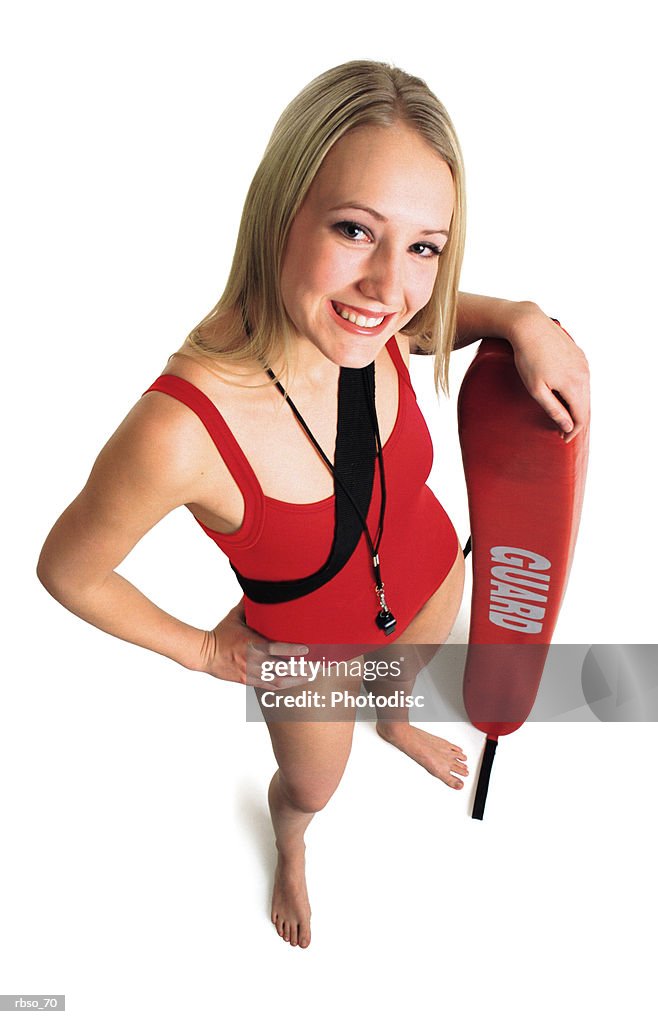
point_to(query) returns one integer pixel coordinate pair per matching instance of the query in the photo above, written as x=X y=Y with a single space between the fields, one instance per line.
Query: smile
x=363 y=319
x=348 y=313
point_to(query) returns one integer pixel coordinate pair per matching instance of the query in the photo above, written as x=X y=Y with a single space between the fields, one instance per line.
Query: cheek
x=326 y=266
x=305 y=269
x=424 y=286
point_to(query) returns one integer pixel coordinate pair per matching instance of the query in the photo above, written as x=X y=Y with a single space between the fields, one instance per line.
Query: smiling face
x=363 y=251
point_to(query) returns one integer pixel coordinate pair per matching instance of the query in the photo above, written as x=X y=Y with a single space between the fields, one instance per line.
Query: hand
x=549 y=361
x=235 y=652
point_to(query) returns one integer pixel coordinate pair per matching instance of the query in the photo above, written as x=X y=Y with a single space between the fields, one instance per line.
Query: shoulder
x=161 y=447
x=176 y=422
x=167 y=437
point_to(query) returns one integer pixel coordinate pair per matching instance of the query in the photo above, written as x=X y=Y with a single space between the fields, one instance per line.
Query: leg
x=429 y=629
x=311 y=757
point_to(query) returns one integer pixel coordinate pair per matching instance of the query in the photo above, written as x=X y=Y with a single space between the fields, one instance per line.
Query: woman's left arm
x=546 y=358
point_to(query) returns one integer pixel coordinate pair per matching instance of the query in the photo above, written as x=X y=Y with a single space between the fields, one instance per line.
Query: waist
x=416 y=555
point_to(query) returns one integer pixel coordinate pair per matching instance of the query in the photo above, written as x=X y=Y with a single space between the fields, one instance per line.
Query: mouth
x=357 y=320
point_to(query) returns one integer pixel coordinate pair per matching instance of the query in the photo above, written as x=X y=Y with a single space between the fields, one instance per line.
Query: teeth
x=358 y=319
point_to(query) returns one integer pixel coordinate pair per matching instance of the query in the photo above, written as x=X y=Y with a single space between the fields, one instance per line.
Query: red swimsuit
x=279 y=540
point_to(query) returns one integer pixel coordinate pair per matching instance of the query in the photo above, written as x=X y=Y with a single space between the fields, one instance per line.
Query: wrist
x=199 y=655
x=524 y=316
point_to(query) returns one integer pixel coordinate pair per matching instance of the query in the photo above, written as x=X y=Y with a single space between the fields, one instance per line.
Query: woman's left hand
x=548 y=361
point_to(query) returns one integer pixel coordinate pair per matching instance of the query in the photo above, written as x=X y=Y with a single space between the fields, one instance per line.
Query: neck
x=309 y=368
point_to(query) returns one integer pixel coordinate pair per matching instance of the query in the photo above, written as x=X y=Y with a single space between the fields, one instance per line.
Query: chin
x=355 y=354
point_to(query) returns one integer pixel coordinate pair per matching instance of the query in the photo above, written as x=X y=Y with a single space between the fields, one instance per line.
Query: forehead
x=391 y=169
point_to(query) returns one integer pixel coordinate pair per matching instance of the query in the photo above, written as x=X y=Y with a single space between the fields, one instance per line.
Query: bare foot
x=291 y=911
x=439 y=757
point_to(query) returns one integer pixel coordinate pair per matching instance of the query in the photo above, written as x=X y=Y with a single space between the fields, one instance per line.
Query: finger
x=265 y=648
x=574 y=433
x=580 y=413
x=261 y=649
x=275 y=685
x=283 y=650
x=273 y=676
x=552 y=405
x=254 y=678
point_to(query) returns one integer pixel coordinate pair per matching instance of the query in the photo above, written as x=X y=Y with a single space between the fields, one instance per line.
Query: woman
x=347 y=260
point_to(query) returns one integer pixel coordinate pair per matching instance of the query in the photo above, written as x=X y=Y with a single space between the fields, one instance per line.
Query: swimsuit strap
x=393 y=350
x=223 y=439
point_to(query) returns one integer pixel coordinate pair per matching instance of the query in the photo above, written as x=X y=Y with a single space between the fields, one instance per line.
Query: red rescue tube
x=525 y=489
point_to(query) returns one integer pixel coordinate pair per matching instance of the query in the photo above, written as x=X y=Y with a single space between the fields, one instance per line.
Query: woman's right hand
x=237 y=653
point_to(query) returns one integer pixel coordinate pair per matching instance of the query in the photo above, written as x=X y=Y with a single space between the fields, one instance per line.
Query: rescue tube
x=525 y=490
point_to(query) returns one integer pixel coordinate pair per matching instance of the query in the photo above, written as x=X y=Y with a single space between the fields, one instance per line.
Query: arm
x=546 y=358
x=482 y=316
x=150 y=466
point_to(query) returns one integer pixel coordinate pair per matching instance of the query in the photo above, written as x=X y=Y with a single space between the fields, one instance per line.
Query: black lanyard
x=358 y=444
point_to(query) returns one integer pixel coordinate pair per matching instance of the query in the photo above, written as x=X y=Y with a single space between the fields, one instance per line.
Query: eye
x=426 y=250
x=350 y=229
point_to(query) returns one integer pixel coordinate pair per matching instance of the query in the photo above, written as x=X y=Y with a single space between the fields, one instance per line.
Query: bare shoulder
x=163 y=448
x=160 y=449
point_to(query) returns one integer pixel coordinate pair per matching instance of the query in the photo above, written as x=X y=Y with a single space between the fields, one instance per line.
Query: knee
x=308 y=796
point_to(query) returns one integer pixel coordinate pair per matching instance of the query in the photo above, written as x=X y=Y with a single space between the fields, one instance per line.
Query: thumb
x=555 y=408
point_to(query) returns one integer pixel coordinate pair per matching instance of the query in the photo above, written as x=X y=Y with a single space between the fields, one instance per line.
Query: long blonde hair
x=250 y=321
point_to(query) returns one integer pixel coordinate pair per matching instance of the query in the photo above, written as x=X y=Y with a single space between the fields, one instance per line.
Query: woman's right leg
x=312 y=756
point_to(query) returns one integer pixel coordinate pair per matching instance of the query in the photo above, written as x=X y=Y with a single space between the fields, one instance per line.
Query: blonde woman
x=268 y=427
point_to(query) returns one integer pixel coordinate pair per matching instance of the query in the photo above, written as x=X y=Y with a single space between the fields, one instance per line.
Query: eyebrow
x=380 y=216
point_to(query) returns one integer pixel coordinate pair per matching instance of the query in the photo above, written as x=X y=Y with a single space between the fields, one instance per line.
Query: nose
x=382 y=278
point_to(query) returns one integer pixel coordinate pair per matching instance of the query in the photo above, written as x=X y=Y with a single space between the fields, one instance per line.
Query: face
x=363 y=251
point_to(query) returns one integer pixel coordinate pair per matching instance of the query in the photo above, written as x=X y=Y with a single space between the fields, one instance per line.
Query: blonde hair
x=250 y=321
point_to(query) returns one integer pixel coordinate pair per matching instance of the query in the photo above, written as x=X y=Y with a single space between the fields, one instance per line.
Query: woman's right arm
x=150 y=466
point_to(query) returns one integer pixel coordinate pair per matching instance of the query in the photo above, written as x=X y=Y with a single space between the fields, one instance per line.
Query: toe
x=286 y=931
x=293 y=934
x=304 y=936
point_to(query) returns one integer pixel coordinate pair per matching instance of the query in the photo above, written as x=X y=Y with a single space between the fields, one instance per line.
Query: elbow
x=58 y=574
x=69 y=566
x=50 y=575
x=68 y=572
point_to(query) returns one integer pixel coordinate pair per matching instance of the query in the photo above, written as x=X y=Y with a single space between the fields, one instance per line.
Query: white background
x=136 y=854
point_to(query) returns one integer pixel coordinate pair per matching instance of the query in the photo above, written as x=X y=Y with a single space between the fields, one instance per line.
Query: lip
x=363 y=312
x=347 y=325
